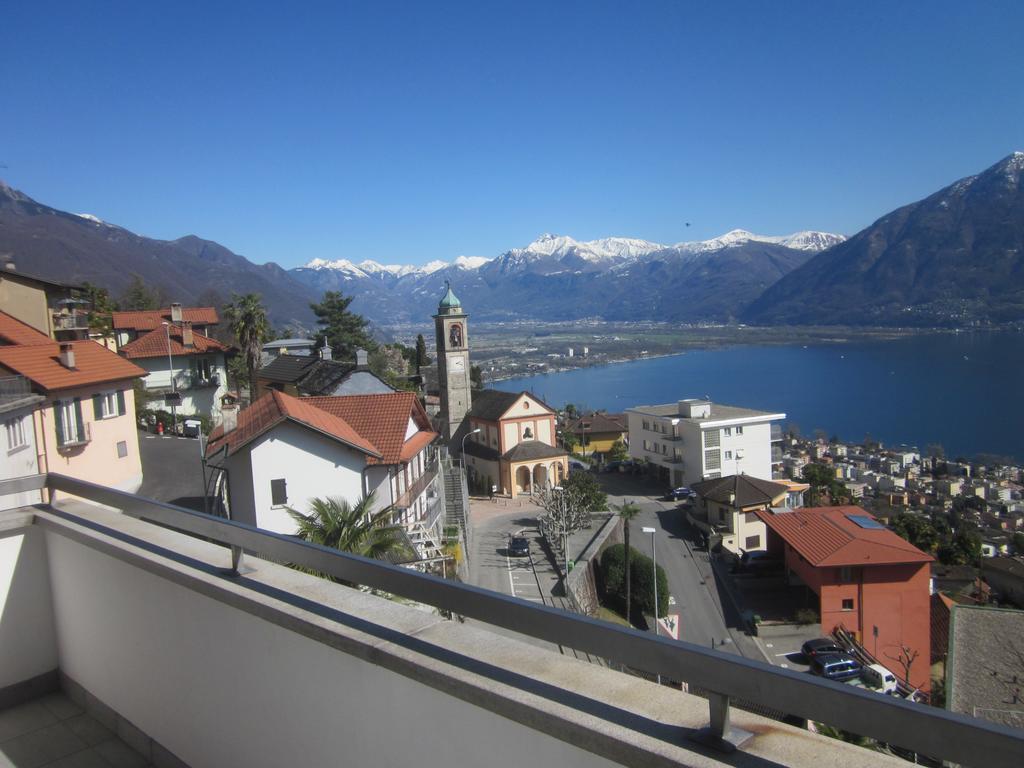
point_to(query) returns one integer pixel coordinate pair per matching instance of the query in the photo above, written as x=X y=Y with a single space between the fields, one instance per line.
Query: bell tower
x=452 y=361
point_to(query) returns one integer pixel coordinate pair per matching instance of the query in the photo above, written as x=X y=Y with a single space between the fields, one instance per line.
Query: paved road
x=707 y=616
x=171 y=470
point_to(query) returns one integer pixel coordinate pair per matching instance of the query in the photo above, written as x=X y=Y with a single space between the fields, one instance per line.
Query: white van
x=877 y=676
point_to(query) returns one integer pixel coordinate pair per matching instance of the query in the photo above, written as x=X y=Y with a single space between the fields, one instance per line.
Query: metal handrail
x=938 y=733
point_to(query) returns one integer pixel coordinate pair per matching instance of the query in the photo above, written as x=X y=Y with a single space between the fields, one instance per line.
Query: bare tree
x=565 y=511
x=905 y=659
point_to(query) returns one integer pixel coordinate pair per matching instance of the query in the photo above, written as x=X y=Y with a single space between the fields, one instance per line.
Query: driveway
x=171 y=470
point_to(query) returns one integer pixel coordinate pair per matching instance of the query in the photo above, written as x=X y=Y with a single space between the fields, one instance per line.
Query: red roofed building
x=867 y=578
x=282 y=451
x=180 y=359
x=83 y=422
x=128 y=326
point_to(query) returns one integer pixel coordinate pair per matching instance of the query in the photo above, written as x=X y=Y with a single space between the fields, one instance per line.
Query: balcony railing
x=76 y=320
x=14 y=387
x=776 y=432
x=417 y=487
x=935 y=732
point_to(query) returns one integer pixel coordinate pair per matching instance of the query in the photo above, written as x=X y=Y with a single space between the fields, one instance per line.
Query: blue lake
x=961 y=391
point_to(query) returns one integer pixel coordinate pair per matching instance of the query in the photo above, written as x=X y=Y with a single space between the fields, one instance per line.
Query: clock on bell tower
x=452 y=361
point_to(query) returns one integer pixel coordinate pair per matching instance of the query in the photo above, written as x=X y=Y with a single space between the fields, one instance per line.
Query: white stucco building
x=18 y=451
x=694 y=440
x=284 y=451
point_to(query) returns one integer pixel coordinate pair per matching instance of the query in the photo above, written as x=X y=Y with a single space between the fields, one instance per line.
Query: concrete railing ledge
x=616 y=716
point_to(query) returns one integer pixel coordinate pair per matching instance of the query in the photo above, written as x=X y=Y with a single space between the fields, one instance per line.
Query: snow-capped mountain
x=559 y=277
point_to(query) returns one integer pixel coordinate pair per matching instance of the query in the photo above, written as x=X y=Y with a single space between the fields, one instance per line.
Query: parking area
x=171 y=470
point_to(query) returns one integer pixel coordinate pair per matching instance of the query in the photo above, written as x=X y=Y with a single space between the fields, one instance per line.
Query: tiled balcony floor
x=53 y=731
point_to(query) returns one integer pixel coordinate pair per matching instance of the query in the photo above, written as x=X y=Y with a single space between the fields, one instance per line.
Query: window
x=107 y=405
x=739 y=430
x=848 y=604
x=68 y=422
x=712 y=438
x=846 y=574
x=647 y=424
x=122 y=449
x=728 y=455
x=727 y=432
x=713 y=459
x=752 y=542
x=278 y=492
x=15 y=429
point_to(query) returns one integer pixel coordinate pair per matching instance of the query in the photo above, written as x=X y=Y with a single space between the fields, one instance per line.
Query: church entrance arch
x=523 y=480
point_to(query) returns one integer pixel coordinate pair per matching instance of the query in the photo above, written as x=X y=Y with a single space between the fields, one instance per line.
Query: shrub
x=806 y=616
x=613 y=580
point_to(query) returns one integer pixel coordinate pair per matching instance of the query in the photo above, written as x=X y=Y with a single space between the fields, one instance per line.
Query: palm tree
x=627 y=512
x=333 y=522
x=248 y=322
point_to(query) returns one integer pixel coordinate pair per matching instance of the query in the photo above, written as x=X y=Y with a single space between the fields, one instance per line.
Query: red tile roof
x=826 y=536
x=154 y=344
x=383 y=419
x=277 y=407
x=13 y=331
x=147 y=320
x=94 y=364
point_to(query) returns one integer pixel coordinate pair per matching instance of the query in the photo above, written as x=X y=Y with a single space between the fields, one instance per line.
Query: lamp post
x=462 y=455
x=654 y=573
x=170 y=372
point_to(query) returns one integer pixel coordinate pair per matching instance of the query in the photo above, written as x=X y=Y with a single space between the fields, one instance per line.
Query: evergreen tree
x=346 y=331
x=139 y=296
x=100 y=308
x=476 y=377
x=421 y=353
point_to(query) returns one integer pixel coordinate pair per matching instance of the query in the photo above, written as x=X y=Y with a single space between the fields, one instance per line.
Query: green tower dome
x=450 y=300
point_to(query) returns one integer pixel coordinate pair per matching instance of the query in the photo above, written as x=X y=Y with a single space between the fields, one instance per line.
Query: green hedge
x=613 y=580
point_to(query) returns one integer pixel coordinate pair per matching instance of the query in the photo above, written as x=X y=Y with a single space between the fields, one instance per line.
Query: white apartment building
x=695 y=440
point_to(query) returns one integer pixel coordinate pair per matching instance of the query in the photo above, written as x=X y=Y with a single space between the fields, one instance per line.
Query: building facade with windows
x=866 y=579
x=282 y=451
x=84 y=425
x=726 y=510
x=179 y=359
x=694 y=440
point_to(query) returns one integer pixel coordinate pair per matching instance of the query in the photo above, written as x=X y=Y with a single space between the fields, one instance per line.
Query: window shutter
x=278 y=492
x=121 y=409
x=97 y=407
x=78 y=419
x=58 y=418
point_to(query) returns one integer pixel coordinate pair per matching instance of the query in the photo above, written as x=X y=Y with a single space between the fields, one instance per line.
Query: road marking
x=788 y=653
x=769 y=645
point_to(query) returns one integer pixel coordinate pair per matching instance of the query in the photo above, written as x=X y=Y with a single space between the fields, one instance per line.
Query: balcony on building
x=183 y=634
x=776 y=433
x=70 y=317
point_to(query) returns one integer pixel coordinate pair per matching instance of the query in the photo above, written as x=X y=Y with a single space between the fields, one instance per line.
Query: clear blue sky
x=406 y=132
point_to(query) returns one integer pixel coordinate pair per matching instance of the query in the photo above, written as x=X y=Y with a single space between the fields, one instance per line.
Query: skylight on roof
x=865 y=522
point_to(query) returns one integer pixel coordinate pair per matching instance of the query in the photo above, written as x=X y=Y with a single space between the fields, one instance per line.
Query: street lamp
x=654 y=572
x=170 y=372
x=462 y=455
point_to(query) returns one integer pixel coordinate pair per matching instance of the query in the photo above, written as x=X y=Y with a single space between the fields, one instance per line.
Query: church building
x=509 y=438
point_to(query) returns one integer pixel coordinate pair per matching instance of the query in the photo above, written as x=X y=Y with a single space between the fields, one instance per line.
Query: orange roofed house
x=866 y=577
x=283 y=451
x=84 y=425
x=174 y=348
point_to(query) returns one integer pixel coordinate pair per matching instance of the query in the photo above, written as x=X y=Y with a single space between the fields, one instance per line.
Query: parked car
x=518 y=547
x=679 y=494
x=836 y=666
x=820 y=647
x=877 y=676
x=758 y=562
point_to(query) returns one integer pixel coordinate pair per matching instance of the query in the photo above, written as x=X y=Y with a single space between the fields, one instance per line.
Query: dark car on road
x=821 y=646
x=518 y=547
x=836 y=666
x=679 y=494
x=758 y=562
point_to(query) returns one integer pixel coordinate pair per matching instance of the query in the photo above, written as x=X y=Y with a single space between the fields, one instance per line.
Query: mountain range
x=954 y=258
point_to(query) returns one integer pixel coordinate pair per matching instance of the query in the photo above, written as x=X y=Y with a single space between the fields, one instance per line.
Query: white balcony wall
x=218 y=685
x=28 y=646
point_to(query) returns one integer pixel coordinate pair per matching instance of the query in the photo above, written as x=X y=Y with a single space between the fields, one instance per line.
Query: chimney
x=325 y=351
x=361 y=358
x=186 y=331
x=229 y=417
x=67 y=356
x=175 y=312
